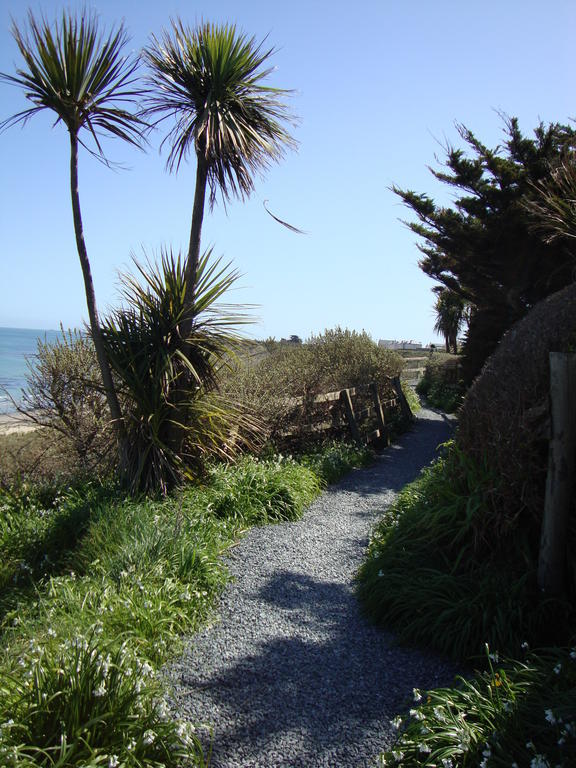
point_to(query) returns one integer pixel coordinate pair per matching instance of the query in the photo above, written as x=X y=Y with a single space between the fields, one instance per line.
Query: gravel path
x=292 y=675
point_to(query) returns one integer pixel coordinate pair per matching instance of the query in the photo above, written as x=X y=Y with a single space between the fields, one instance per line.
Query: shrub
x=440 y=384
x=504 y=419
x=336 y=359
x=64 y=398
x=436 y=574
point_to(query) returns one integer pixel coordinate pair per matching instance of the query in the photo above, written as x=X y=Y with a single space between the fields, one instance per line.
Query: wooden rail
x=363 y=414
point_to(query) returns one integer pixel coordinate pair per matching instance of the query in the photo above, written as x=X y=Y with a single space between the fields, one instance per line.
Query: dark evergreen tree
x=485 y=247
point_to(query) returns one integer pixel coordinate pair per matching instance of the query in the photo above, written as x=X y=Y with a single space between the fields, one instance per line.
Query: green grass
x=435 y=576
x=438 y=577
x=98 y=590
x=514 y=713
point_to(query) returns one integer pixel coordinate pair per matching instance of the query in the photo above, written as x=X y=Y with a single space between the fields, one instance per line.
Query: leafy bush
x=63 y=397
x=336 y=359
x=515 y=713
x=440 y=385
x=436 y=574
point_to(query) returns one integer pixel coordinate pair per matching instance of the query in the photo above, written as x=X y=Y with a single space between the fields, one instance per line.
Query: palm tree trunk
x=195 y=236
x=177 y=428
x=109 y=388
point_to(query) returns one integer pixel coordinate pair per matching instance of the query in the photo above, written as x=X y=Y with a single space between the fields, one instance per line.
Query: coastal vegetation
x=84 y=78
x=164 y=427
x=488 y=246
x=454 y=562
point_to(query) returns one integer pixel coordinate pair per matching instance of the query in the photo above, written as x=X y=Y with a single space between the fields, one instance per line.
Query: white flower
x=380 y=574
x=539 y=761
x=557 y=668
x=524 y=646
x=573 y=654
x=146 y=669
x=100 y=691
x=494 y=657
x=447 y=762
x=396 y=723
x=149 y=737
x=424 y=748
x=549 y=715
x=417 y=694
x=113 y=762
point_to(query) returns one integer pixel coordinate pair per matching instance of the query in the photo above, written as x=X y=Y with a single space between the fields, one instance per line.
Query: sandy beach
x=11 y=423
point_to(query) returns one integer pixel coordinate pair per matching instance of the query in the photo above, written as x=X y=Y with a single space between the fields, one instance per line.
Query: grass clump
x=436 y=575
x=84 y=635
x=442 y=574
x=258 y=492
x=88 y=701
x=514 y=713
x=335 y=460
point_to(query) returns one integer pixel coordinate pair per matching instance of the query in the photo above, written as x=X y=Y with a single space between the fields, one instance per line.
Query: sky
x=378 y=86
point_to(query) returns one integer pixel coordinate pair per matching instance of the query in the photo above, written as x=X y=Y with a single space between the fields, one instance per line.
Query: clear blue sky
x=378 y=86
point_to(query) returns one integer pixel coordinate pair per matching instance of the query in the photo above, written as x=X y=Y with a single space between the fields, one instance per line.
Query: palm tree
x=450 y=311
x=143 y=345
x=209 y=81
x=84 y=78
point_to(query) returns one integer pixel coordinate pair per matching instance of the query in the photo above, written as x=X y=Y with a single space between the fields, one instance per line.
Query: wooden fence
x=365 y=415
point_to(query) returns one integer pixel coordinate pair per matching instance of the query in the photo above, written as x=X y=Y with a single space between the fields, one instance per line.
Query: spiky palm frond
x=79 y=74
x=209 y=80
x=163 y=387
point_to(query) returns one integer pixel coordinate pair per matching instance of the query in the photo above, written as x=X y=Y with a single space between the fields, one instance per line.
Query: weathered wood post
x=346 y=401
x=561 y=470
x=384 y=434
x=404 y=407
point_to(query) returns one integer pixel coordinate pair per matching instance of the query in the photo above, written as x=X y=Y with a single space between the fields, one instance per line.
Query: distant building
x=393 y=344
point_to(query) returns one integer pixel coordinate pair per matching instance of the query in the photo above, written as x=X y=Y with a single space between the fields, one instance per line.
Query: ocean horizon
x=17 y=346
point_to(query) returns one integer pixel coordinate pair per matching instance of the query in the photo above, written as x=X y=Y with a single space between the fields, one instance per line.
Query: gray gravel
x=292 y=675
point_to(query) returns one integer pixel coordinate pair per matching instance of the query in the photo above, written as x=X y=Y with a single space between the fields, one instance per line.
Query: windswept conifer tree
x=484 y=247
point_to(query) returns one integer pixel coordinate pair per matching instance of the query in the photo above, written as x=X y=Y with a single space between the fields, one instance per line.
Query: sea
x=18 y=346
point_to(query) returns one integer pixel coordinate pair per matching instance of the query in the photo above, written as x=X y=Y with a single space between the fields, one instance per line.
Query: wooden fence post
x=561 y=469
x=404 y=407
x=346 y=401
x=384 y=434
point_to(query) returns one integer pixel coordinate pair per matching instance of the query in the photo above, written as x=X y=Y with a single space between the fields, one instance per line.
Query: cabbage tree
x=83 y=77
x=209 y=83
